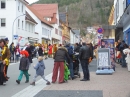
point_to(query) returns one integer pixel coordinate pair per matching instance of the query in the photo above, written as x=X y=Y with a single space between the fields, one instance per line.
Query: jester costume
x=5 y=57
x=66 y=72
x=3 y=53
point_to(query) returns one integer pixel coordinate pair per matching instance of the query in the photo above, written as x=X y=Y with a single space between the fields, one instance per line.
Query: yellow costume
x=6 y=54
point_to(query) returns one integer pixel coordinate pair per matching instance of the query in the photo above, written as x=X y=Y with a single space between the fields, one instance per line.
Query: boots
x=33 y=83
x=18 y=81
x=26 y=81
x=48 y=83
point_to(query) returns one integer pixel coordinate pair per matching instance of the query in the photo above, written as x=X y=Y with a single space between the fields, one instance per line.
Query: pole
x=13 y=24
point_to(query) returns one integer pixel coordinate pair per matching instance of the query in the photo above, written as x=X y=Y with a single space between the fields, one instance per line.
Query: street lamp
x=13 y=24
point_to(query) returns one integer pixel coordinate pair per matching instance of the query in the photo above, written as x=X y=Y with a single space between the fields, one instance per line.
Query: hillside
x=83 y=13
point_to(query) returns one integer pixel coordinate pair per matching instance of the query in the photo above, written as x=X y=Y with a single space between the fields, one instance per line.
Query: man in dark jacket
x=59 y=59
x=123 y=56
x=84 y=55
x=77 y=47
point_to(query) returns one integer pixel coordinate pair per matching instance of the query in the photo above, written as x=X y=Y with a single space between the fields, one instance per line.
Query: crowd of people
x=63 y=60
x=66 y=59
x=123 y=54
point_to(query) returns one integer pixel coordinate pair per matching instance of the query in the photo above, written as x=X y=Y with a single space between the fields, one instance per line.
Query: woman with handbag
x=17 y=54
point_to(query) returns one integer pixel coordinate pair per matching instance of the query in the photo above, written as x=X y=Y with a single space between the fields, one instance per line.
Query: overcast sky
x=31 y=1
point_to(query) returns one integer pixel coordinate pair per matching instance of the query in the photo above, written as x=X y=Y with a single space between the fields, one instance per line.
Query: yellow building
x=64 y=25
x=111 y=22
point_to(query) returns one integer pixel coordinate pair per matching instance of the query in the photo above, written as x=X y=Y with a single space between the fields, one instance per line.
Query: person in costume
x=23 y=67
x=3 y=77
x=66 y=72
x=6 y=56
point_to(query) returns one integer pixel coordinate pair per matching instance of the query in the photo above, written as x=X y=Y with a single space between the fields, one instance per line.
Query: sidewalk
x=116 y=85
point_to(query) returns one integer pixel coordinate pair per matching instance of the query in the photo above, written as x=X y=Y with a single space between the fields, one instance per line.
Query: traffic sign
x=100 y=30
x=15 y=37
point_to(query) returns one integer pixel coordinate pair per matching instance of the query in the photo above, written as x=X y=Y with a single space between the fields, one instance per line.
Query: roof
x=76 y=31
x=25 y=1
x=38 y=16
x=62 y=17
x=28 y=17
x=47 y=11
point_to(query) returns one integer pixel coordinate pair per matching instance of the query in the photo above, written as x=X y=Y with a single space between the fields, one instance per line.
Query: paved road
x=12 y=88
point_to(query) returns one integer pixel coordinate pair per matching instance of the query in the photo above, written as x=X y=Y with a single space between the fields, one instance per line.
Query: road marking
x=19 y=62
x=31 y=91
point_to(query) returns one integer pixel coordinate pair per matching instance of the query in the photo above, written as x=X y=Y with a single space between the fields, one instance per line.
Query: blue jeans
x=71 y=68
x=84 y=64
x=123 y=61
x=17 y=58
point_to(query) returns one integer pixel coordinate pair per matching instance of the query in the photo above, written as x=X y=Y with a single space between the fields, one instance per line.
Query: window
x=117 y=7
x=18 y=23
x=2 y=4
x=22 y=24
x=29 y=27
x=26 y=27
x=18 y=6
x=60 y=33
x=124 y=5
x=22 y=8
x=56 y=31
x=47 y=19
x=3 y=22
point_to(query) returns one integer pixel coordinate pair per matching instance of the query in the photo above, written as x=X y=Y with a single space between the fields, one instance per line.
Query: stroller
x=76 y=65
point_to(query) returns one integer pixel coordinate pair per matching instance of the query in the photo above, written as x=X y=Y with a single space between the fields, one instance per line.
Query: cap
x=6 y=39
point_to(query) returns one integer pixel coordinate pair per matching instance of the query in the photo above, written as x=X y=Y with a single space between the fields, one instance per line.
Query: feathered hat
x=24 y=53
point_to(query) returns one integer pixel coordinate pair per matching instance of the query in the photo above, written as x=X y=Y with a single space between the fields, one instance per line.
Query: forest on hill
x=84 y=13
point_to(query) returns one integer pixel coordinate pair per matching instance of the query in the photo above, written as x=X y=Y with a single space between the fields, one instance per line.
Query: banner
x=103 y=58
x=109 y=43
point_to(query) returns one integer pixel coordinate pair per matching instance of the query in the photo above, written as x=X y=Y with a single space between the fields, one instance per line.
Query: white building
x=49 y=12
x=43 y=28
x=77 y=35
x=14 y=22
x=122 y=18
x=72 y=37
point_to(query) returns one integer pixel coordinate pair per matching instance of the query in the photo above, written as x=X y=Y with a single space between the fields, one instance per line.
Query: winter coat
x=12 y=49
x=6 y=54
x=24 y=64
x=17 y=50
x=40 y=68
x=61 y=54
x=85 y=53
x=50 y=50
x=40 y=52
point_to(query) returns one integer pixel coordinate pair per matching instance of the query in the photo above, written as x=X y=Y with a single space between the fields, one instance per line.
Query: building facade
x=50 y=13
x=111 y=22
x=123 y=22
x=43 y=28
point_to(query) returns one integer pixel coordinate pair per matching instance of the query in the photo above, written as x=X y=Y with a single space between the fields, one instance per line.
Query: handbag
x=17 y=53
x=118 y=55
x=90 y=60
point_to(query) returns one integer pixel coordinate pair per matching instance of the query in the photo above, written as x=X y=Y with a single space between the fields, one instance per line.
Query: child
x=66 y=72
x=40 y=71
x=23 y=67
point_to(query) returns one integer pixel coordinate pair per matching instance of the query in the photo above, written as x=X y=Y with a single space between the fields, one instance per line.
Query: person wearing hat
x=23 y=67
x=28 y=49
x=6 y=56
